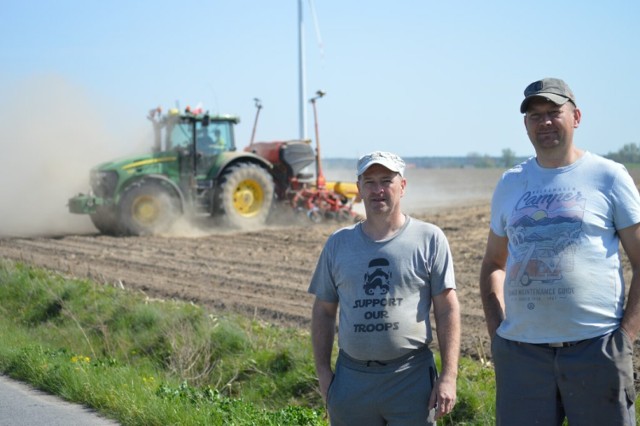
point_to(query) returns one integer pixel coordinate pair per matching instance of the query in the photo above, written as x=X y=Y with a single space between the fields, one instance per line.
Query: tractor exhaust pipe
x=320 y=180
x=255 y=121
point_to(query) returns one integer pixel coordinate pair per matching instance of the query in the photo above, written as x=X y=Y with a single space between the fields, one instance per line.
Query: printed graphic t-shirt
x=564 y=277
x=384 y=288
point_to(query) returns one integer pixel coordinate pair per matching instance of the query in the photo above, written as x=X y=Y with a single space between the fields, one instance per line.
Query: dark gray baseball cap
x=552 y=89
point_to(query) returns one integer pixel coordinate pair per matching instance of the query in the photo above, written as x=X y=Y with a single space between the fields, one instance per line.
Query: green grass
x=153 y=362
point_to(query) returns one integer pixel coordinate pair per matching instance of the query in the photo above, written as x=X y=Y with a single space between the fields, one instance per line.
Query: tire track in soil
x=250 y=273
x=262 y=274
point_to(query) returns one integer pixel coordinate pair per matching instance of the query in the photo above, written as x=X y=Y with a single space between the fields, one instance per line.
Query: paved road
x=21 y=405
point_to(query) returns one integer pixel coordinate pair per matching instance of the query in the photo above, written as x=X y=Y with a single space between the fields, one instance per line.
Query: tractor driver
x=207 y=144
x=218 y=141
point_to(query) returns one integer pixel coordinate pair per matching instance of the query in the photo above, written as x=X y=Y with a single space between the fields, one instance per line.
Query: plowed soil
x=265 y=273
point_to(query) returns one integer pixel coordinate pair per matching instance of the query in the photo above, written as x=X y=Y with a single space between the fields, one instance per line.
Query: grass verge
x=152 y=362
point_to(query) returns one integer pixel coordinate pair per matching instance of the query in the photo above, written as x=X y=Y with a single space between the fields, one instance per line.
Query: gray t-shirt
x=384 y=288
x=564 y=277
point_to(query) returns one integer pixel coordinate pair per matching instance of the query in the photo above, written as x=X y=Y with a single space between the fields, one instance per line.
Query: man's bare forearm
x=491 y=294
x=631 y=318
x=323 y=326
x=447 y=317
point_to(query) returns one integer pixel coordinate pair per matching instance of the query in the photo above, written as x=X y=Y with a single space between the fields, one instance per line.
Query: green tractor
x=194 y=169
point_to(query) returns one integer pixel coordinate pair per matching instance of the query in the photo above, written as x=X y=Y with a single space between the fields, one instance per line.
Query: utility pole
x=301 y=76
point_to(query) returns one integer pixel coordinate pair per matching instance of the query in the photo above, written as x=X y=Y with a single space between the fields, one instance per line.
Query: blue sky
x=421 y=78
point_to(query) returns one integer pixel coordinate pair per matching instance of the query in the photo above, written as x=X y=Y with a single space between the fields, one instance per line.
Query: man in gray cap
x=551 y=280
x=383 y=274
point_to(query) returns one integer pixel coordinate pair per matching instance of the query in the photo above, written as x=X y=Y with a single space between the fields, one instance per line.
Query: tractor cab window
x=180 y=135
x=214 y=138
x=211 y=140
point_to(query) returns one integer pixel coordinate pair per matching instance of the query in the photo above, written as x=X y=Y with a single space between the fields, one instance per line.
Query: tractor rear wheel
x=246 y=195
x=147 y=207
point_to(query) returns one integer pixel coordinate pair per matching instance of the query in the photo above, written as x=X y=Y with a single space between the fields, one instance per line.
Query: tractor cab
x=175 y=131
x=198 y=138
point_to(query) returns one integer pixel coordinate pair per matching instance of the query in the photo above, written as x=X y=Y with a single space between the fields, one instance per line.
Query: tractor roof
x=199 y=114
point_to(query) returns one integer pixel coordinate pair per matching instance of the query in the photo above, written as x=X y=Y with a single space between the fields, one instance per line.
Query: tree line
x=629 y=153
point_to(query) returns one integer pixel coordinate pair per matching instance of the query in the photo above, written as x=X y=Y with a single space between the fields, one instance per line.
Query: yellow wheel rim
x=248 y=198
x=145 y=209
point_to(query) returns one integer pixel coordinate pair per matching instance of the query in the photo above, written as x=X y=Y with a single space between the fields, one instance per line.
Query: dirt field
x=265 y=274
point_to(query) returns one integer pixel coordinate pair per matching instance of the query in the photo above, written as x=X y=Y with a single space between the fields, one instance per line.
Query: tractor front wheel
x=246 y=195
x=146 y=208
x=106 y=220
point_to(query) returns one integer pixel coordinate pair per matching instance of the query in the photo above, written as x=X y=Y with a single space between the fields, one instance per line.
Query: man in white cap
x=382 y=275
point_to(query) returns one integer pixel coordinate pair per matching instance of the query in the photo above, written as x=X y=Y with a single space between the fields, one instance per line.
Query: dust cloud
x=429 y=190
x=52 y=134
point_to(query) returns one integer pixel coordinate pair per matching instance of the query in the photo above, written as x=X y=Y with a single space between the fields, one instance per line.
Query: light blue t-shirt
x=384 y=288
x=564 y=277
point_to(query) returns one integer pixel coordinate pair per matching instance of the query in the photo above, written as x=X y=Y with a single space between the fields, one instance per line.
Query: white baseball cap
x=387 y=159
